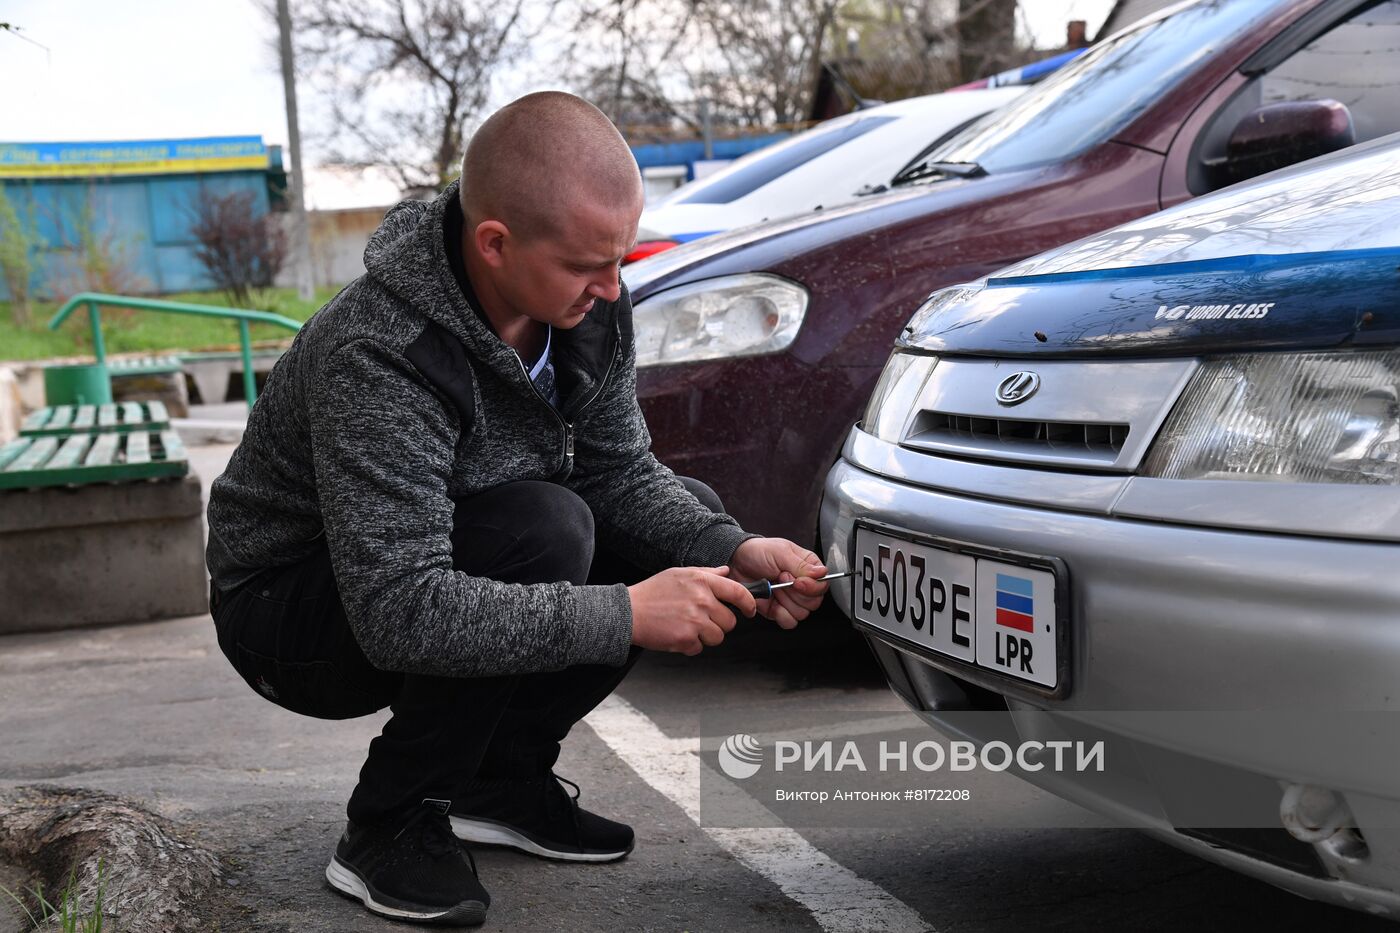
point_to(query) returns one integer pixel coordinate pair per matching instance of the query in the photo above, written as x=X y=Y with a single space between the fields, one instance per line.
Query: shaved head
x=551 y=197
x=537 y=159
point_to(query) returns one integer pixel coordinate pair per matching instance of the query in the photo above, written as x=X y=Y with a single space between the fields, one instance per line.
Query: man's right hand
x=682 y=609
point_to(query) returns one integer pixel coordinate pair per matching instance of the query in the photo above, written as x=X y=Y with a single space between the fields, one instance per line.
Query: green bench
x=63 y=420
x=31 y=462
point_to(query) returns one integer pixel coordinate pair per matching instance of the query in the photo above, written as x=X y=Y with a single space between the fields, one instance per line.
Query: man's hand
x=682 y=609
x=780 y=561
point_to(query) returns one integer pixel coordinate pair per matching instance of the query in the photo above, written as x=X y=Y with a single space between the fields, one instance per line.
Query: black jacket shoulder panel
x=442 y=360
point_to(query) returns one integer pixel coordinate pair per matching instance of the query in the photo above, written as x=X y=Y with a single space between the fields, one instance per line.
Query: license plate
x=992 y=614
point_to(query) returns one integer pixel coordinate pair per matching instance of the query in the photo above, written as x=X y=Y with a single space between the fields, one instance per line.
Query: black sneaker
x=414 y=870
x=536 y=815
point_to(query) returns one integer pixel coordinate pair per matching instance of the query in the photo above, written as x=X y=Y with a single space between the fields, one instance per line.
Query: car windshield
x=758 y=169
x=1090 y=99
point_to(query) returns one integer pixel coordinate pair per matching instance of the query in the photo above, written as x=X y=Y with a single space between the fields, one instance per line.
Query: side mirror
x=1278 y=135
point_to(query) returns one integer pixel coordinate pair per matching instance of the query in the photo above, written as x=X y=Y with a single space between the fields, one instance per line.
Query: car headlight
x=892 y=403
x=1288 y=417
x=736 y=315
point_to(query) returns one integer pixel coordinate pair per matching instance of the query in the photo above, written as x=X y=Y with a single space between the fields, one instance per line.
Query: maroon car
x=758 y=348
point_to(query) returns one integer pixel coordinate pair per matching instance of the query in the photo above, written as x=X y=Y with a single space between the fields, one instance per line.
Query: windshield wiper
x=925 y=170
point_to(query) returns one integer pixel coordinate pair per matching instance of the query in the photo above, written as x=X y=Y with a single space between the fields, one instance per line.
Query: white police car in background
x=821 y=167
x=1149 y=482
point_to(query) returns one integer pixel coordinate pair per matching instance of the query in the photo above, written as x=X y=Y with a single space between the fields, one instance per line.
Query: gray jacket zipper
x=566 y=465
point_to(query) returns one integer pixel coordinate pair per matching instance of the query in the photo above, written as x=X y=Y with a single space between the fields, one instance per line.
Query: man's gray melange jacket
x=395 y=398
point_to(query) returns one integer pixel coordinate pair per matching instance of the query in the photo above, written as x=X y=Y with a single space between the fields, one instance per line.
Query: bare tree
x=986 y=37
x=939 y=43
x=770 y=50
x=755 y=62
x=401 y=78
x=240 y=248
x=752 y=61
x=914 y=37
x=637 y=73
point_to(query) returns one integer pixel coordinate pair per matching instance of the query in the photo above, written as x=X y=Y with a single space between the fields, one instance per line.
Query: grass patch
x=69 y=914
x=130 y=331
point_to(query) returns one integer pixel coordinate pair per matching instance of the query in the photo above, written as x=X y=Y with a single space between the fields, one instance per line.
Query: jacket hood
x=406 y=256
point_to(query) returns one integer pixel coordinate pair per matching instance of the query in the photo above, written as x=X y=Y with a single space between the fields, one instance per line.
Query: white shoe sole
x=347 y=882
x=487 y=833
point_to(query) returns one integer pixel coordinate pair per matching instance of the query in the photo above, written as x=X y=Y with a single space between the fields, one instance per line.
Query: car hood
x=767 y=246
x=1248 y=302
x=1304 y=258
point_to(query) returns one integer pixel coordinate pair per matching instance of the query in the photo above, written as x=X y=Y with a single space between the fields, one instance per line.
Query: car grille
x=1068 y=436
x=1098 y=415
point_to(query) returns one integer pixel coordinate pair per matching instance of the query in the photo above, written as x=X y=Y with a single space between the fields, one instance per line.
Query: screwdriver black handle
x=760 y=590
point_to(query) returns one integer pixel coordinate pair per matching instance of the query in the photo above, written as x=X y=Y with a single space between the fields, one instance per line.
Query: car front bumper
x=1169 y=624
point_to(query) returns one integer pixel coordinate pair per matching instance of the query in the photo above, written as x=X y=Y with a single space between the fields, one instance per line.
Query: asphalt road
x=153 y=712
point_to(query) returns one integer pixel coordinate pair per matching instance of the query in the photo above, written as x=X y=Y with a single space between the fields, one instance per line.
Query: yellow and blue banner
x=132 y=157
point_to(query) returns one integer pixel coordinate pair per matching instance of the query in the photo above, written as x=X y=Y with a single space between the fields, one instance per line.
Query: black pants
x=286 y=633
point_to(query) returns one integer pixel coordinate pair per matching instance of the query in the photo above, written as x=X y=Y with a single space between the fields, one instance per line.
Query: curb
x=197 y=432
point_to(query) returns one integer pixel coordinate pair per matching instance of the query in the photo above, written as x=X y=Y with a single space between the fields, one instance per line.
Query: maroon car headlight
x=735 y=315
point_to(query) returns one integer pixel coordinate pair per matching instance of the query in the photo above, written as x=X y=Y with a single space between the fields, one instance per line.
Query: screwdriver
x=763 y=589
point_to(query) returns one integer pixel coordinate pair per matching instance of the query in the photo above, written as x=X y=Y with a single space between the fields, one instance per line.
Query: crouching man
x=445 y=503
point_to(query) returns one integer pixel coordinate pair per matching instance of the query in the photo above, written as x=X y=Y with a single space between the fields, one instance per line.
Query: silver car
x=1146 y=484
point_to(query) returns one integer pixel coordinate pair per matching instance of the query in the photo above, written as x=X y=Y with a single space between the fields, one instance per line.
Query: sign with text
x=132 y=157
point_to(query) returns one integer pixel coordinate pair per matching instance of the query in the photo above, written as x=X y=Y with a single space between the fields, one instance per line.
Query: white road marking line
x=839 y=900
x=865 y=725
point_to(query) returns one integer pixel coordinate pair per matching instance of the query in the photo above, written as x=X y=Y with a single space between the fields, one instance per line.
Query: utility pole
x=707 y=132
x=301 y=236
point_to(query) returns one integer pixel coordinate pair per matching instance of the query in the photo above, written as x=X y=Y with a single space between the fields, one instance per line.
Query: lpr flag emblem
x=1015 y=603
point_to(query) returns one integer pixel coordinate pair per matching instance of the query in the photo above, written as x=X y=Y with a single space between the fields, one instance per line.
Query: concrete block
x=101 y=554
x=11 y=409
x=169 y=388
x=29 y=377
x=212 y=373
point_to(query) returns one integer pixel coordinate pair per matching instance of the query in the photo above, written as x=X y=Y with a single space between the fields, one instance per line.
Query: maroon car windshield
x=1090 y=99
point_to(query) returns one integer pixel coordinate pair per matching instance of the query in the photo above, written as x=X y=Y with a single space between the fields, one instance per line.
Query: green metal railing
x=94 y=302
